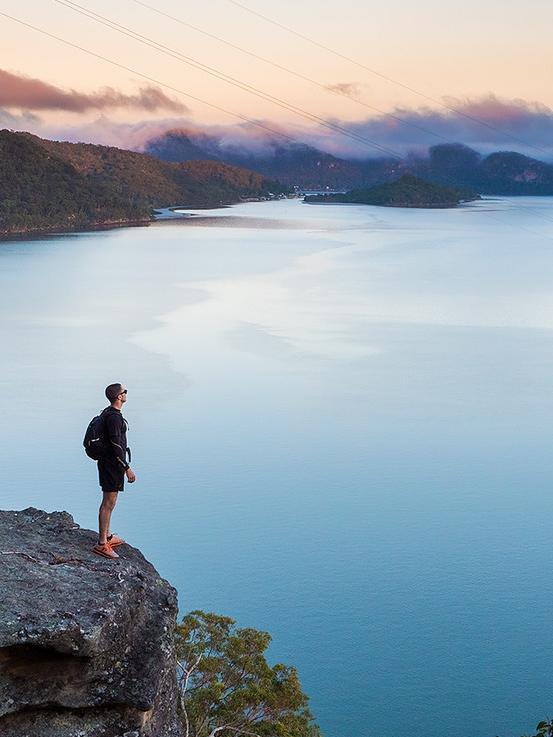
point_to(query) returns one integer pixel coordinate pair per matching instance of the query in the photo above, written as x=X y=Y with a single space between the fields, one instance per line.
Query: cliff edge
x=86 y=644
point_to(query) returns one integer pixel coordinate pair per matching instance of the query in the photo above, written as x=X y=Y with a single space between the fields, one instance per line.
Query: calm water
x=341 y=422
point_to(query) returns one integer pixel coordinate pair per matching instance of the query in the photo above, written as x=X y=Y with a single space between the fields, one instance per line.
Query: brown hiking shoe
x=106 y=550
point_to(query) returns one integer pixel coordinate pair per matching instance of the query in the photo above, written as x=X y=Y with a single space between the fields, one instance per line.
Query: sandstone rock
x=86 y=643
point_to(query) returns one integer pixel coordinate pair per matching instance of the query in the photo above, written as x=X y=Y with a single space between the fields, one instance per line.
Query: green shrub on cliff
x=228 y=688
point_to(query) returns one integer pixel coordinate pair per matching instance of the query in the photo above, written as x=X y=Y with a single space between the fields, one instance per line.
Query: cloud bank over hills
x=485 y=123
x=506 y=124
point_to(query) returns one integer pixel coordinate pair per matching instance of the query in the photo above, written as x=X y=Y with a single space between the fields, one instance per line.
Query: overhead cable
x=148 y=77
x=293 y=72
x=212 y=71
x=387 y=78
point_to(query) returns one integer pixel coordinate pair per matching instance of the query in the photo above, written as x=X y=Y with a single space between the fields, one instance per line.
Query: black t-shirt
x=116 y=435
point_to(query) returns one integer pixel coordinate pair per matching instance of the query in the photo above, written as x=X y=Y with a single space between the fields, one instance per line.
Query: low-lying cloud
x=25 y=120
x=247 y=137
x=26 y=93
x=486 y=124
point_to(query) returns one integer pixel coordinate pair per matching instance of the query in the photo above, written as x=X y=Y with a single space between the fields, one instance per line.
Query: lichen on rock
x=86 y=643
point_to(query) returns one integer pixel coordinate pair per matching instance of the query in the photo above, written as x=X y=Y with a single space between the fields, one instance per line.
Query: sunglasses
x=124 y=391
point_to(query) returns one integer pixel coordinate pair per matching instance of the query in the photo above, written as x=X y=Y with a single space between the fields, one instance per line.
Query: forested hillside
x=47 y=185
x=407 y=191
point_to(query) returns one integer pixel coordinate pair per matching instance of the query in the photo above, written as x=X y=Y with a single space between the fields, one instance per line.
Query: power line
x=160 y=83
x=385 y=77
x=293 y=72
x=278 y=66
x=147 y=77
x=225 y=77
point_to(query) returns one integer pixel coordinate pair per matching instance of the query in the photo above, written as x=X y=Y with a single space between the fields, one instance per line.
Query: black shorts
x=111 y=475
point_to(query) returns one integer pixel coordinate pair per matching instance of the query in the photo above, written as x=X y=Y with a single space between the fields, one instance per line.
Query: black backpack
x=94 y=442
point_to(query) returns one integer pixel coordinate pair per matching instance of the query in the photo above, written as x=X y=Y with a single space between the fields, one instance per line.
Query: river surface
x=341 y=424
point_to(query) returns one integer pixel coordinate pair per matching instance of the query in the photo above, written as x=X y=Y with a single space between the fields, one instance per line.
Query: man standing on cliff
x=113 y=468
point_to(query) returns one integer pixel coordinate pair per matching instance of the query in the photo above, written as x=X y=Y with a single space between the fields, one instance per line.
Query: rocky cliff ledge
x=86 y=644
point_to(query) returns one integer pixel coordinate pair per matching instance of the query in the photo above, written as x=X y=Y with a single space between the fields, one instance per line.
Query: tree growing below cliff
x=228 y=688
x=545 y=729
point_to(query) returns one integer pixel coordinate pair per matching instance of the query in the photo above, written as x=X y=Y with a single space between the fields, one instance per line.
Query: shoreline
x=30 y=233
x=159 y=214
x=403 y=205
x=445 y=206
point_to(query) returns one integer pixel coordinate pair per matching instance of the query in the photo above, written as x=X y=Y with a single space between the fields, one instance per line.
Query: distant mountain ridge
x=294 y=164
x=298 y=164
x=500 y=173
x=48 y=185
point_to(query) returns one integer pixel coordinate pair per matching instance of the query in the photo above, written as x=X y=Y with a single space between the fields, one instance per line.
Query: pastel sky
x=460 y=51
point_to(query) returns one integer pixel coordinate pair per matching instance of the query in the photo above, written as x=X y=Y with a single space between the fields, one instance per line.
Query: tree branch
x=234 y=729
x=183 y=685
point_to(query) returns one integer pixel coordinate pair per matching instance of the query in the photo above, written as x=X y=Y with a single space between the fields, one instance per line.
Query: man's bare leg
x=107 y=506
